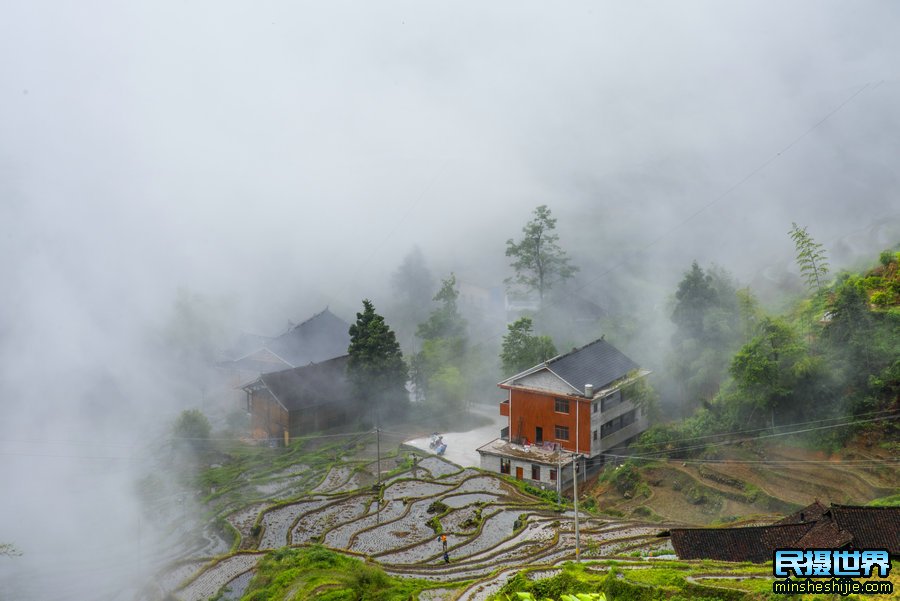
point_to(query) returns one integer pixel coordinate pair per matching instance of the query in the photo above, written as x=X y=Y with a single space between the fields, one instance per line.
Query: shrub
x=192 y=428
x=520 y=522
x=625 y=478
x=882 y=298
x=696 y=496
x=435 y=524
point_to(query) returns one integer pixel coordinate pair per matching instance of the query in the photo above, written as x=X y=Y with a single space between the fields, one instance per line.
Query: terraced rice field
x=391 y=525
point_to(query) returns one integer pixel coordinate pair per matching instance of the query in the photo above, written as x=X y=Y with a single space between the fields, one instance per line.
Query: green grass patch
x=658 y=580
x=890 y=501
x=317 y=574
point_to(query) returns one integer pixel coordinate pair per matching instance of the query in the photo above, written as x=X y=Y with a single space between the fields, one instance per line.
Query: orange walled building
x=577 y=402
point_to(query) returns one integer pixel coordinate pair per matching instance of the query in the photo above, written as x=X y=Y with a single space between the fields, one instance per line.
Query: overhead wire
x=750 y=430
x=630 y=255
x=657 y=454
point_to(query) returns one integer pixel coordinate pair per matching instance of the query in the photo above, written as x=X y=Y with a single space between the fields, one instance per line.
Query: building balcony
x=504 y=408
x=620 y=436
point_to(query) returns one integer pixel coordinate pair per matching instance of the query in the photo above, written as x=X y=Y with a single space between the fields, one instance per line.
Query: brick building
x=577 y=402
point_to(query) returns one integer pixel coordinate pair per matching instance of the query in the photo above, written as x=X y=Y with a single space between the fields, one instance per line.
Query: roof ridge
x=578 y=348
x=866 y=507
x=309 y=319
x=761 y=526
x=562 y=379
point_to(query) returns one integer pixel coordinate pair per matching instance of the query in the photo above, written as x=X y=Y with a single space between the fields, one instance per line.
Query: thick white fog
x=277 y=157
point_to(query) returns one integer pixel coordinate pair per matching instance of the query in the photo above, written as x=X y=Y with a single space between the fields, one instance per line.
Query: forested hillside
x=828 y=369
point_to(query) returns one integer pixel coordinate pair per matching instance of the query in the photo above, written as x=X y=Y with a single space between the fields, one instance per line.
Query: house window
x=562 y=433
x=612 y=400
x=535 y=472
x=595 y=435
x=616 y=424
x=552 y=474
x=562 y=405
x=504 y=466
x=595 y=407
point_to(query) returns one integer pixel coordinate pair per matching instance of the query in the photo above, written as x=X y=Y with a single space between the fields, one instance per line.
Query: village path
x=462 y=446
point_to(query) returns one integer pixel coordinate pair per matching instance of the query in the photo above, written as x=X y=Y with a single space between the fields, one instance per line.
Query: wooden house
x=323 y=336
x=301 y=400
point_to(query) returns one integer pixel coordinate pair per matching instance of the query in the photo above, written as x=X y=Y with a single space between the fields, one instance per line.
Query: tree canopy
x=810 y=257
x=376 y=368
x=708 y=319
x=445 y=321
x=522 y=349
x=439 y=369
x=412 y=287
x=538 y=260
x=192 y=429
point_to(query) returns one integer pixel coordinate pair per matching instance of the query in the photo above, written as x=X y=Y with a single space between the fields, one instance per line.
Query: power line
x=623 y=259
x=657 y=454
x=147 y=452
x=786 y=462
x=734 y=432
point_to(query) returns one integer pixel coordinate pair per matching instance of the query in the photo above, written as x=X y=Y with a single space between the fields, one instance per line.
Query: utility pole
x=575 y=494
x=559 y=477
x=378 y=450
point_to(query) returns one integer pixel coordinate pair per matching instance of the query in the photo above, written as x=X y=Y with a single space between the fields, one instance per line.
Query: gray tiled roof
x=836 y=527
x=322 y=336
x=598 y=363
x=754 y=543
x=311 y=385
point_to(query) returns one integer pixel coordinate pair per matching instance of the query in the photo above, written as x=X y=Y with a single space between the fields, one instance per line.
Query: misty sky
x=287 y=155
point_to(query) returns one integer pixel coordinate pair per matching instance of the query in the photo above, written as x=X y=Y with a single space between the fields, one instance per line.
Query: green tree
x=749 y=312
x=810 y=257
x=440 y=369
x=775 y=373
x=522 y=349
x=538 y=260
x=707 y=318
x=857 y=343
x=694 y=296
x=412 y=287
x=376 y=368
x=445 y=321
x=192 y=429
x=642 y=393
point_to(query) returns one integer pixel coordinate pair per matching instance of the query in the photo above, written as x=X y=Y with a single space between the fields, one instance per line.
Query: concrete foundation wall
x=492 y=463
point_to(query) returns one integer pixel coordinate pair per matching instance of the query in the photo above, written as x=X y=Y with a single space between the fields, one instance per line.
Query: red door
x=519 y=473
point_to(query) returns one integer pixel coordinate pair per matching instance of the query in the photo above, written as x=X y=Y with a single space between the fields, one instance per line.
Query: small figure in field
x=444 y=542
x=446 y=557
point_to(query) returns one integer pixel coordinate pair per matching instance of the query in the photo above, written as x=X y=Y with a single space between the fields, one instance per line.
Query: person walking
x=444 y=542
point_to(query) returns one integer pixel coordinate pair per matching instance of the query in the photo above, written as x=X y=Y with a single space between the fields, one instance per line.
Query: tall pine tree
x=376 y=368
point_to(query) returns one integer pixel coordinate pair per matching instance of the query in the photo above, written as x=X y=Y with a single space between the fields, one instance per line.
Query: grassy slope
x=700 y=493
x=318 y=574
x=662 y=580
